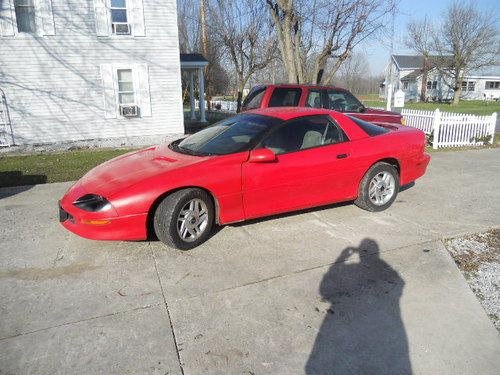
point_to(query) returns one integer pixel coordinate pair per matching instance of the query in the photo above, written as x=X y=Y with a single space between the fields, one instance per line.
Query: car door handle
x=342 y=156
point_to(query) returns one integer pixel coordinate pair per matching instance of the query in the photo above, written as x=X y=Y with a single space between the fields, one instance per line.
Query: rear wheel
x=379 y=187
x=184 y=219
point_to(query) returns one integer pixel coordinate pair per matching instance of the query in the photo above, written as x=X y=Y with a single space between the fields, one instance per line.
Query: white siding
x=53 y=83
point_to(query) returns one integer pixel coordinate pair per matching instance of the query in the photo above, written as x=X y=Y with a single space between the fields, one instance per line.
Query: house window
x=471 y=86
x=492 y=85
x=464 y=85
x=119 y=19
x=405 y=85
x=434 y=85
x=429 y=85
x=125 y=87
x=25 y=16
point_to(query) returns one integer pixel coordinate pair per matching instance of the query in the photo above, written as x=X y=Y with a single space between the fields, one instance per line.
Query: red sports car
x=254 y=164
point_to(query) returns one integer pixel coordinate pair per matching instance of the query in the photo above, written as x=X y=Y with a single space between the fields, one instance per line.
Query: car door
x=312 y=168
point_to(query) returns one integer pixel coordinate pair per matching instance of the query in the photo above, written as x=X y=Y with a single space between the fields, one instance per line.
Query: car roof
x=287 y=113
x=292 y=85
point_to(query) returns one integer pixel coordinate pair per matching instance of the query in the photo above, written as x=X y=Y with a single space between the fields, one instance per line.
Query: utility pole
x=204 y=46
x=390 y=87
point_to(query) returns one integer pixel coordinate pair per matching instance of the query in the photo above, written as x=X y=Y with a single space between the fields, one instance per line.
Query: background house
x=407 y=76
x=90 y=69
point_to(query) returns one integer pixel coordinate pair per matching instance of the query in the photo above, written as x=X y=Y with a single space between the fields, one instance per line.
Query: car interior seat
x=312 y=138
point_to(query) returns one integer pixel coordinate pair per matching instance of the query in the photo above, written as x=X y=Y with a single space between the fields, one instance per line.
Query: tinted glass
x=304 y=133
x=314 y=99
x=285 y=97
x=254 y=98
x=236 y=134
x=368 y=127
x=343 y=101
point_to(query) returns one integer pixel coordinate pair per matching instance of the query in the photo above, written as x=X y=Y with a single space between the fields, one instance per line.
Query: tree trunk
x=457 y=91
x=238 y=101
x=425 y=74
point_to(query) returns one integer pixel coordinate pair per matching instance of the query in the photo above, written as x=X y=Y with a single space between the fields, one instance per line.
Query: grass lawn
x=51 y=167
x=477 y=107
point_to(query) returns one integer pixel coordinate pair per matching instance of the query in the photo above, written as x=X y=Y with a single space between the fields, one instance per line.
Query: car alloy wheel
x=192 y=220
x=382 y=188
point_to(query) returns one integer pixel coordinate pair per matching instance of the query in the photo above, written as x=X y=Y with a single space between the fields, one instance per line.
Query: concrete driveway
x=335 y=290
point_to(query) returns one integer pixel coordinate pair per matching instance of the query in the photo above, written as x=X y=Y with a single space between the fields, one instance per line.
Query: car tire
x=378 y=188
x=184 y=219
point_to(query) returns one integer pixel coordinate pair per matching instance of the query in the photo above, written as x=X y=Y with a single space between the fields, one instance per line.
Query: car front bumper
x=105 y=225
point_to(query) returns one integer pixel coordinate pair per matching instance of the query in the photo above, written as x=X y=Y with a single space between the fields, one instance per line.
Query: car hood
x=129 y=169
x=373 y=111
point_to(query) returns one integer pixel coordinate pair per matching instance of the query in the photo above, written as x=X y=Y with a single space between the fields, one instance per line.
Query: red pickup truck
x=328 y=97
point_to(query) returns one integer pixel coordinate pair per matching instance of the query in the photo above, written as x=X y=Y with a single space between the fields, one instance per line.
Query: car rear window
x=285 y=97
x=368 y=127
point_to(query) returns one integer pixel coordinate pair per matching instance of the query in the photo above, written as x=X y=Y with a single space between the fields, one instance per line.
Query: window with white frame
x=25 y=16
x=119 y=17
x=125 y=87
x=405 y=85
x=434 y=85
x=492 y=85
x=471 y=86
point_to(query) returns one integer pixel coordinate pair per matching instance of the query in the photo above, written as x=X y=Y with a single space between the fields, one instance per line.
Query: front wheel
x=379 y=188
x=184 y=219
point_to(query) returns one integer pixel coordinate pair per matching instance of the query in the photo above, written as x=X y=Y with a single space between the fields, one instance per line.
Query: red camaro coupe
x=258 y=163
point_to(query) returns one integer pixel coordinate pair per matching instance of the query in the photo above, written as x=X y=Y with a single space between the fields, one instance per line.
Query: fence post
x=493 y=127
x=435 y=125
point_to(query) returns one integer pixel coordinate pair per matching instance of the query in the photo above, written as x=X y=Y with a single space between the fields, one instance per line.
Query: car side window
x=303 y=134
x=343 y=101
x=314 y=99
x=254 y=98
x=285 y=97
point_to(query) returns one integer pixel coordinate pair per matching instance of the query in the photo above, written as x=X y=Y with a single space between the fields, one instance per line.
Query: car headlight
x=92 y=203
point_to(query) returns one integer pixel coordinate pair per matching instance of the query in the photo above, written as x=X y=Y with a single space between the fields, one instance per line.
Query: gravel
x=128 y=142
x=478 y=257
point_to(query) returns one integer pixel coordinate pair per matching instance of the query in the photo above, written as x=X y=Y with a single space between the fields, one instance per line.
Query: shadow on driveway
x=15 y=182
x=362 y=332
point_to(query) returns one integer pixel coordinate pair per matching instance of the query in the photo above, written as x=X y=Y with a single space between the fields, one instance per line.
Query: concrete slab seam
x=166 y=308
x=81 y=321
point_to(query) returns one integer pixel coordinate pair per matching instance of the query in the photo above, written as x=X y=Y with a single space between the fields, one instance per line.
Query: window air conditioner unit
x=129 y=110
x=120 y=28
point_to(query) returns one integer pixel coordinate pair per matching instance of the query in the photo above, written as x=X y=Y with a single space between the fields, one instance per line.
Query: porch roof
x=193 y=61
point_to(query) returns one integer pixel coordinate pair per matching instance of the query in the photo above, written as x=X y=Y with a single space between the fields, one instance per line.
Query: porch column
x=191 y=95
x=201 y=87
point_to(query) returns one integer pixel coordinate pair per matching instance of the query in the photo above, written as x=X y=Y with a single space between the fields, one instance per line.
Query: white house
x=90 y=69
x=407 y=76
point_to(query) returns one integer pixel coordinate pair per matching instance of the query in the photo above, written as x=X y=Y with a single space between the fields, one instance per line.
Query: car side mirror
x=262 y=155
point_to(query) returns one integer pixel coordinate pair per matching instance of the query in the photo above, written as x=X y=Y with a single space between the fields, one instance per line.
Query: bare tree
x=353 y=72
x=470 y=37
x=420 y=39
x=242 y=29
x=316 y=36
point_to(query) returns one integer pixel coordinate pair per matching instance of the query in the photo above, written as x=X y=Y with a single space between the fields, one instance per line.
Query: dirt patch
x=478 y=257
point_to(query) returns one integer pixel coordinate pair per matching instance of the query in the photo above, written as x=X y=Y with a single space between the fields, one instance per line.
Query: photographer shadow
x=362 y=332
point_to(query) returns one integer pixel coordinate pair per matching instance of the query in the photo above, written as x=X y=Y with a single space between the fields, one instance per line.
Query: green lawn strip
x=477 y=107
x=51 y=167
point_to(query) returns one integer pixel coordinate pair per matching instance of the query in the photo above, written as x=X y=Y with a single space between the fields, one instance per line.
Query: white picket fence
x=449 y=129
x=219 y=105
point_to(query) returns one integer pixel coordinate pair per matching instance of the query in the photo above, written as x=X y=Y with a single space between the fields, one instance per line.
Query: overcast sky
x=378 y=52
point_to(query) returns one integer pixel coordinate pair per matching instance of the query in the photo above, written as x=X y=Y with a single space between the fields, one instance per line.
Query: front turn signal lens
x=95 y=222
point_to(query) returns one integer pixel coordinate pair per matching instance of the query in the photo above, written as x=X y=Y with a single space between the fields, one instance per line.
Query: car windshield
x=236 y=134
